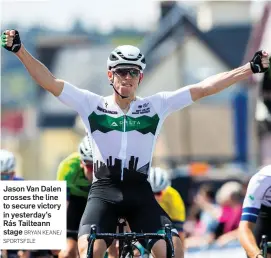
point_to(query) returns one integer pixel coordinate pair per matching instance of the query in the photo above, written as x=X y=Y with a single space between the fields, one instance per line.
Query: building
x=181 y=52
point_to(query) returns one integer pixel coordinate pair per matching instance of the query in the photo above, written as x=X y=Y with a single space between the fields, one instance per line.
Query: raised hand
x=10 y=40
x=260 y=62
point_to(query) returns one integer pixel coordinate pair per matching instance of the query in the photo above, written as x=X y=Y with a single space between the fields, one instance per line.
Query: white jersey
x=123 y=143
x=258 y=194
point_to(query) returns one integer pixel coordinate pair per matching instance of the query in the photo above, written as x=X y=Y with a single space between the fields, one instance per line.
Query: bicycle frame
x=121 y=224
x=127 y=239
x=265 y=245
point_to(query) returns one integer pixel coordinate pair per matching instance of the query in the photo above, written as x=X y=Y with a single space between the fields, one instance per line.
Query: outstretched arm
x=79 y=100
x=175 y=100
x=11 y=41
x=221 y=81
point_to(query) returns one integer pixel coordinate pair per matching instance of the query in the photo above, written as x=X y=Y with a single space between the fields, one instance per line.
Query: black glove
x=16 y=44
x=256 y=63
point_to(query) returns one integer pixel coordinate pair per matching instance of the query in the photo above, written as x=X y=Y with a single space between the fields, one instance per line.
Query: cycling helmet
x=126 y=55
x=158 y=179
x=7 y=160
x=85 y=150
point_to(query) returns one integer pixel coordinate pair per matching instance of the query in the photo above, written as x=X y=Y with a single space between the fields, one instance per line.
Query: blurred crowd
x=214 y=216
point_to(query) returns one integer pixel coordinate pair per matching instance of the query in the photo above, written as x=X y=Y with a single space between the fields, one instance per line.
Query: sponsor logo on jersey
x=106 y=123
x=106 y=111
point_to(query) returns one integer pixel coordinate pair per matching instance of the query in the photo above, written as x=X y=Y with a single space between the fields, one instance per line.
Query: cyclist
x=168 y=198
x=256 y=214
x=123 y=130
x=76 y=170
x=8 y=164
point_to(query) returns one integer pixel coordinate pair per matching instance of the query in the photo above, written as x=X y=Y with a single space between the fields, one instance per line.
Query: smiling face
x=125 y=79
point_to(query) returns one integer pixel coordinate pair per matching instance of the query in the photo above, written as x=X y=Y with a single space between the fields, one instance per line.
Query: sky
x=60 y=14
x=102 y=14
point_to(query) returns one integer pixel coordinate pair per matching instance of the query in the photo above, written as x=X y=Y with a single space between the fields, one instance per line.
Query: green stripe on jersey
x=105 y=123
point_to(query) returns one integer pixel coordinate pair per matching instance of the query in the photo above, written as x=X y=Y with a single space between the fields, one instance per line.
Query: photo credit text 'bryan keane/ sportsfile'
x=33 y=215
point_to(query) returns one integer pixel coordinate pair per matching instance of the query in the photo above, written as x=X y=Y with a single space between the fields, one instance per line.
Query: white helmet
x=126 y=55
x=85 y=150
x=158 y=179
x=7 y=161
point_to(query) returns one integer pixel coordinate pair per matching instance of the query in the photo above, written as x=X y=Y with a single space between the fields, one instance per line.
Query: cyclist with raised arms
x=256 y=214
x=123 y=129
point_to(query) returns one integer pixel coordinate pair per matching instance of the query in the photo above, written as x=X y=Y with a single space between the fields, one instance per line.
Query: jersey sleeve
x=177 y=215
x=62 y=173
x=82 y=101
x=253 y=198
x=167 y=102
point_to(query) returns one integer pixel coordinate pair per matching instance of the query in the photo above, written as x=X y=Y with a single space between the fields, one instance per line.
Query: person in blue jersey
x=256 y=214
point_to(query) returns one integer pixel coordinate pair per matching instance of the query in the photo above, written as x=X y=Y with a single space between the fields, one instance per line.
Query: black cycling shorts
x=135 y=201
x=263 y=225
x=75 y=211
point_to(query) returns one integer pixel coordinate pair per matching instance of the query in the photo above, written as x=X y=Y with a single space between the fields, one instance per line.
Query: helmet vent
x=113 y=57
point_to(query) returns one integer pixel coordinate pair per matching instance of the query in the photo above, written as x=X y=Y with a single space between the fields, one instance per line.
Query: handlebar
x=131 y=236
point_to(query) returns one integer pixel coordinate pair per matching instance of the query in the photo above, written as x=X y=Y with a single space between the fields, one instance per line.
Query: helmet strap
x=123 y=97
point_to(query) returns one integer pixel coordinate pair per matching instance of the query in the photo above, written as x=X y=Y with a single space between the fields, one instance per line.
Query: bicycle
x=265 y=245
x=127 y=240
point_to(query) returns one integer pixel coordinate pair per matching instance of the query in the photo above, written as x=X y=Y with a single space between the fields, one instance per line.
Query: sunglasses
x=122 y=72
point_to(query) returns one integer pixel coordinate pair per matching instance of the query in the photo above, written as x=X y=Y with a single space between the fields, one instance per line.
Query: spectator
x=228 y=213
x=229 y=197
x=206 y=223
